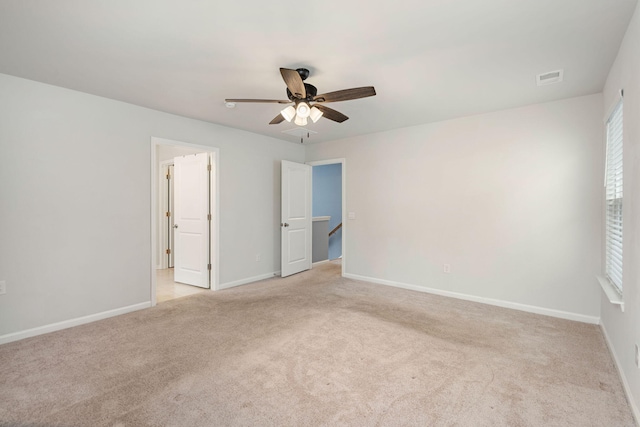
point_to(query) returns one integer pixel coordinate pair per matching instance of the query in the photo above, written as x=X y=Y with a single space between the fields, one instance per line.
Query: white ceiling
x=429 y=60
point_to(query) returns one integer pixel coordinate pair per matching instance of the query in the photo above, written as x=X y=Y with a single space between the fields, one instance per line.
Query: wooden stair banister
x=332 y=232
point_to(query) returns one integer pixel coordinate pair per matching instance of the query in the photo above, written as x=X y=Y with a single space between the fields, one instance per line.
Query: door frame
x=162 y=218
x=214 y=229
x=342 y=161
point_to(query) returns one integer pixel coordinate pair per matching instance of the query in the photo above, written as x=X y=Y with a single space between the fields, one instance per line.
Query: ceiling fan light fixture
x=288 y=113
x=315 y=114
x=301 y=121
x=303 y=110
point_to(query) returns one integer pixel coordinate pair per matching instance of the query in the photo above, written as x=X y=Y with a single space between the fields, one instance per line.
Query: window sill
x=611 y=291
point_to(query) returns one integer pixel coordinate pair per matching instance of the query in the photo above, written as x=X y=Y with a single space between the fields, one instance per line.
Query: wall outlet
x=446 y=268
x=258 y=257
x=637 y=357
x=3 y=288
x=351 y=215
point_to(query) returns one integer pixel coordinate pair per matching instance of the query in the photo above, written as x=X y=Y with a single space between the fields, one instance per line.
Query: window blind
x=613 y=232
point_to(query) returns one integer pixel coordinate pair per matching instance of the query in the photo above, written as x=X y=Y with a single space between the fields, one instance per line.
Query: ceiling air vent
x=549 y=78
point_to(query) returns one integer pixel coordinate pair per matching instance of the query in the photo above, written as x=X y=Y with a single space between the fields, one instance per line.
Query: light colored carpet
x=314 y=349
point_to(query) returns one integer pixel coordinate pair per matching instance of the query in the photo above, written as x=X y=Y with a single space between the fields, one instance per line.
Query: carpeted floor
x=314 y=349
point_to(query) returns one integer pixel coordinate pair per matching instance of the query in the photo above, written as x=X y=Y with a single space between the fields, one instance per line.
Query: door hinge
x=208 y=266
x=209 y=168
x=168 y=213
x=209 y=217
x=168 y=251
x=168 y=175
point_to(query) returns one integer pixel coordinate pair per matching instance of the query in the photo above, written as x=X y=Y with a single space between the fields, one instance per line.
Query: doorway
x=165 y=254
x=329 y=200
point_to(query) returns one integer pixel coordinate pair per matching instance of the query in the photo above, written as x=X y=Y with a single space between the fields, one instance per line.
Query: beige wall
x=511 y=200
x=623 y=328
x=75 y=192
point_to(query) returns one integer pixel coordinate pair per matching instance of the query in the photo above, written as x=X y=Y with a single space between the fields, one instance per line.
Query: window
x=613 y=184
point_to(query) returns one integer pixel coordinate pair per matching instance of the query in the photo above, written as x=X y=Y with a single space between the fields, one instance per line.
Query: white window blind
x=614 y=198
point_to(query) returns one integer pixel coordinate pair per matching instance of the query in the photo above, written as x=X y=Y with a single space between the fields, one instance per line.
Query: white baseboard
x=248 y=280
x=320 y=262
x=15 y=336
x=506 y=304
x=623 y=378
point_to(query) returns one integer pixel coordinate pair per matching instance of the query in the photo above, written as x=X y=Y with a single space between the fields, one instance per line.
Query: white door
x=296 y=218
x=170 y=217
x=191 y=220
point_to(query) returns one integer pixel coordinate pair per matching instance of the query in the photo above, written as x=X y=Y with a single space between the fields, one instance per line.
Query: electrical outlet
x=258 y=257
x=637 y=357
x=3 y=287
x=446 y=268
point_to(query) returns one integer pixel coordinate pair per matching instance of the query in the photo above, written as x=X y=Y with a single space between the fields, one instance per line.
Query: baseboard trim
x=15 y=336
x=505 y=304
x=623 y=378
x=248 y=280
x=320 y=262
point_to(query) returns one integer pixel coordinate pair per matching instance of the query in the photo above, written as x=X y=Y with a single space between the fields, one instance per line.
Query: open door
x=191 y=220
x=296 y=218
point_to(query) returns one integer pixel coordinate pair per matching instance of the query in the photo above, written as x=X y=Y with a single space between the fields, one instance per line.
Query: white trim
x=321 y=218
x=154 y=218
x=611 y=291
x=215 y=226
x=162 y=204
x=342 y=161
x=321 y=262
x=490 y=301
x=625 y=383
x=326 y=162
x=249 y=280
x=15 y=336
x=612 y=107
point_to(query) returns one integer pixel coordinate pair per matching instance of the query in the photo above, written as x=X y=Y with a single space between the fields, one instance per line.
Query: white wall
x=169 y=152
x=511 y=200
x=623 y=328
x=75 y=201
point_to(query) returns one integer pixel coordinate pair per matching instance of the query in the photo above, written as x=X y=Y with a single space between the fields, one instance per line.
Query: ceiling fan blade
x=277 y=119
x=294 y=82
x=277 y=101
x=346 y=94
x=331 y=114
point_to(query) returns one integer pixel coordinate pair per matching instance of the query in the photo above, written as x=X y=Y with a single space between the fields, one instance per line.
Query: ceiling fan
x=304 y=94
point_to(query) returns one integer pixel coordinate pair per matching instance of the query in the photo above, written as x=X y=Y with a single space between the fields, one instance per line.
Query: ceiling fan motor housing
x=311 y=92
x=304 y=73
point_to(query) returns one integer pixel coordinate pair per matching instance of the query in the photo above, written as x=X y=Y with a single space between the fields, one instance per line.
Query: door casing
x=214 y=209
x=345 y=222
x=165 y=223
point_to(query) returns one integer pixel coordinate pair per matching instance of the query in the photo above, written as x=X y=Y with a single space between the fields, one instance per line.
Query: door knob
x=175 y=225
x=284 y=224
